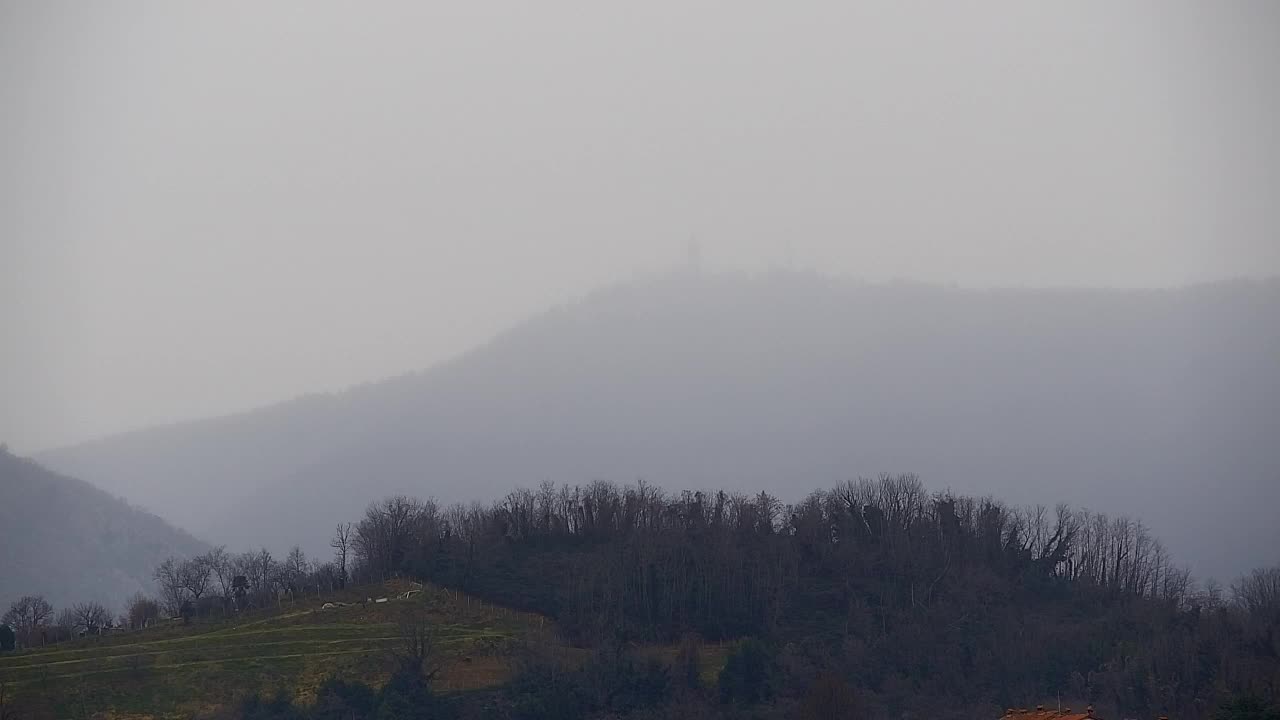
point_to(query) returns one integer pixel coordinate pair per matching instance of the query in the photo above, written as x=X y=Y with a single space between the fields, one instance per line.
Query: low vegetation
x=176 y=670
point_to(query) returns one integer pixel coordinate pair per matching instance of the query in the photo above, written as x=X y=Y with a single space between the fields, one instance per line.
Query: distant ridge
x=71 y=542
x=787 y=381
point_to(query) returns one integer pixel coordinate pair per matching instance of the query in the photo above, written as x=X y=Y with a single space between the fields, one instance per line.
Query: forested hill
x=928 y=604
x=1156 y=403
x=71 y=542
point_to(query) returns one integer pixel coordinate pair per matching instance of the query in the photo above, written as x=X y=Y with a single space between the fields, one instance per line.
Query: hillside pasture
x=183 y=671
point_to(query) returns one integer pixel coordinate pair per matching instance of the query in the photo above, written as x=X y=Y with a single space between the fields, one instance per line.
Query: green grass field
x=176 y=671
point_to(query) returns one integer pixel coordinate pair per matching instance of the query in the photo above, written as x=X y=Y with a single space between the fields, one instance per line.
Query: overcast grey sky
x=210 y=206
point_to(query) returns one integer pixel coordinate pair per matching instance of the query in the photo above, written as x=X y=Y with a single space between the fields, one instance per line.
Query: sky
x=207 y=207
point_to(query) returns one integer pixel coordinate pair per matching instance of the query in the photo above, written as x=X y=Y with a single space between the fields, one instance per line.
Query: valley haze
x=1160 y=404
x=567 y=360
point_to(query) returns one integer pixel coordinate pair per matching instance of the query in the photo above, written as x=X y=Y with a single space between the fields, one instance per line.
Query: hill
x=785 y=382
x=211 y=667
x=71 y=542
x=872 y=599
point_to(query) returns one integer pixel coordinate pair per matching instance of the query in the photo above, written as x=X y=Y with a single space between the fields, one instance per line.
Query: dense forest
x=873 y=599
x=920 y=602
x=877 y=594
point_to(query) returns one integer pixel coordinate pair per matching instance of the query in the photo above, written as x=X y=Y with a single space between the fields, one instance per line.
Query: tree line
x=32 y=622
x=213 y=584
x=875 y=598
x=219 y=582
x=912 y=601
x=920 y=600
x=676 y=563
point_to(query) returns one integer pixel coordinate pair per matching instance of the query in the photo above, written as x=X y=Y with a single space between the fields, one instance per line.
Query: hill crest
x=72 y=542
x=784 y=382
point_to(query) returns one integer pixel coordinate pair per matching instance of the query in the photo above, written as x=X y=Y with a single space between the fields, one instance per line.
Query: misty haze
x=677 y=360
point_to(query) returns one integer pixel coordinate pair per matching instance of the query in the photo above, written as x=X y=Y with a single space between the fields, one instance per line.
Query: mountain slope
x=1160 y=403
x=71 y=542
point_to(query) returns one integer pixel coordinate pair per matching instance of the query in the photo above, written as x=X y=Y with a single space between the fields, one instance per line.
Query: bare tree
x=91 y=616
x=388 y=532
x=467 y=523
x=325 y=577
x=1258 y=593
x=417 y=649
x=26 y=615
x=222 y=567
x=141 y=611
x=195 y=577
x=341 y=544
x=264 y=570
x=295 y=565
x=259 y=571
x=1210 y=595
x=168 y=575
x=244 y=565
x=65 y=624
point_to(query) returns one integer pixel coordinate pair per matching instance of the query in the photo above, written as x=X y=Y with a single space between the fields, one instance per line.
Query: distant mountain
x=1163 y=404
x=71 y=542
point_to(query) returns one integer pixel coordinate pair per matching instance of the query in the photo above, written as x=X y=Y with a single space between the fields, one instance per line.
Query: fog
x=1161 y=405
x=210 y=207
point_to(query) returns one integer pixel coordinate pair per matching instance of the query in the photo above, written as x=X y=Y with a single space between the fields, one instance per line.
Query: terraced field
x=175 y=671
